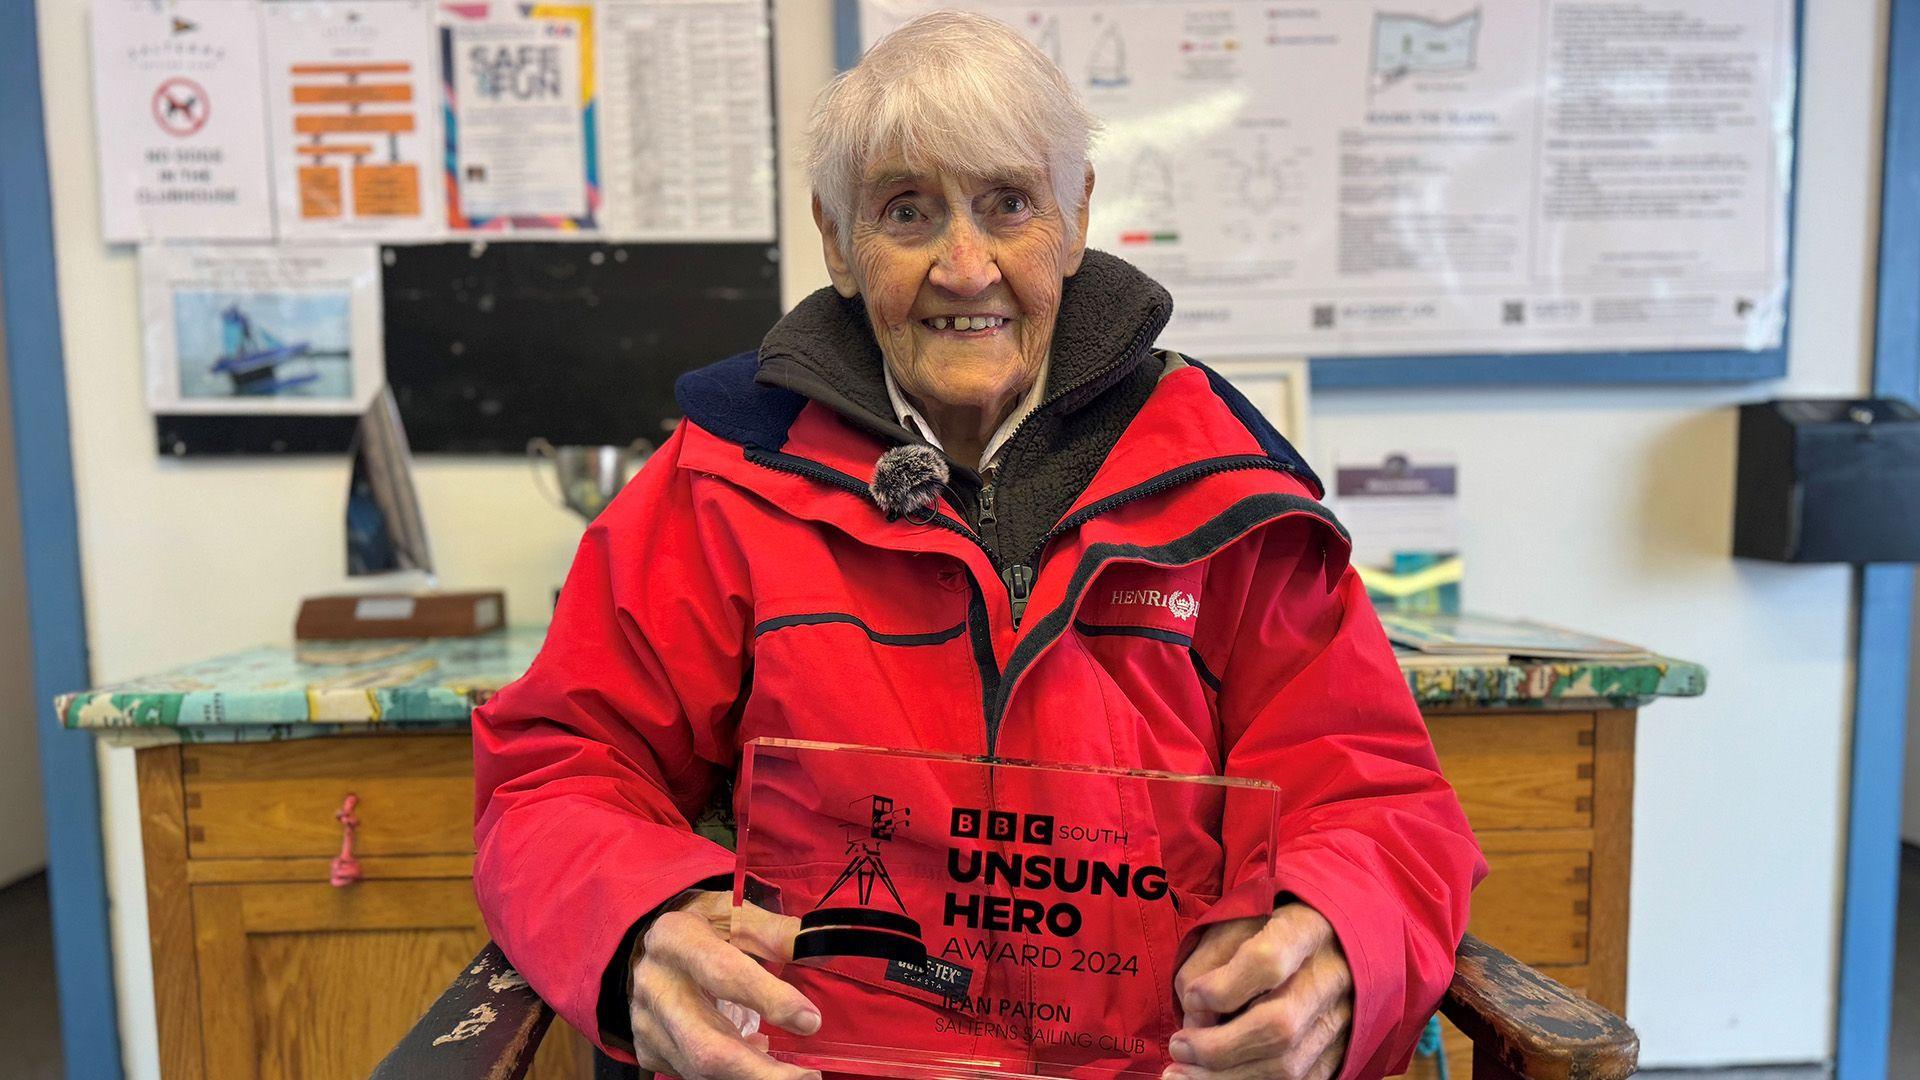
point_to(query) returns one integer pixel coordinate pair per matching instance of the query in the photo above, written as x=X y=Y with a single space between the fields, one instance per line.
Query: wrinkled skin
x=922 y=246
x=691 y=959
x=1264 y=998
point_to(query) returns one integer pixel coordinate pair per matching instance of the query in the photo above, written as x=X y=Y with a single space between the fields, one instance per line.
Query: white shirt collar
x=911 y=419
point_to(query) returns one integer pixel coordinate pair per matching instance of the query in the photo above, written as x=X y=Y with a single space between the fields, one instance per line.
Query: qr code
x=1322 y=316
x=1513 y=312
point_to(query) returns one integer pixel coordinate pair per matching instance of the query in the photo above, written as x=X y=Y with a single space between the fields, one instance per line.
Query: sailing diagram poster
x=178 y=115
x=353 y=119
x=1353 y=177
x=245 y=328
x=518 y=83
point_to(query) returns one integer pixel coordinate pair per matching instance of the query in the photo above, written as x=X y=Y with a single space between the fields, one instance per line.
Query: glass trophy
x=967 y=917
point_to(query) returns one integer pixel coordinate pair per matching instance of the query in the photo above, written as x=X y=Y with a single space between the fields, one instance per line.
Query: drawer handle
x=345 y=869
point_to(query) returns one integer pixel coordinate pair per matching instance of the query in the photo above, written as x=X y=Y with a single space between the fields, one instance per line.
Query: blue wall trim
x=76 y=873
x=1557 y=369
x=1885 y=598
x=1510 y=369
x=846 y=33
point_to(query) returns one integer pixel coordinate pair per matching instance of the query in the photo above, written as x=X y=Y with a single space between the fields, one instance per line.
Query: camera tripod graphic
x=864 y=930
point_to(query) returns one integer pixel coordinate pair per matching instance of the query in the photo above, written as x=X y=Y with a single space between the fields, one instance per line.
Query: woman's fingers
x=686 y=968
x=764 y=934
x=1217 y=945
x=700 y=1044
x=688 y=943
x=1262 y=962
x=725 y=972
x=1323 y=1068
x=1286 y=1031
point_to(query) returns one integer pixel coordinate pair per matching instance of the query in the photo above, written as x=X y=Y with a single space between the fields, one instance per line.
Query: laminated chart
x=687 y=120
x=353 y=119
x=1335 y=178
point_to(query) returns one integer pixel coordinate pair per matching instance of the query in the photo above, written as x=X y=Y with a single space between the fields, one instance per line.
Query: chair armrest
x=1526 y=1026
x=486 y=1026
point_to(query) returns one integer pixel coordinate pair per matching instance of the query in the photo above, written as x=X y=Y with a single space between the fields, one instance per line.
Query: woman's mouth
x=967 y=325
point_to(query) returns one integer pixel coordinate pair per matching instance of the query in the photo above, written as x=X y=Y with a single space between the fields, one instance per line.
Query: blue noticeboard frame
x=76 y=872
x=1884 y=594
x=1519 y=369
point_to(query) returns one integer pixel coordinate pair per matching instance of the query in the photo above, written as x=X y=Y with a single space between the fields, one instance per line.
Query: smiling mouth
x=967 y=325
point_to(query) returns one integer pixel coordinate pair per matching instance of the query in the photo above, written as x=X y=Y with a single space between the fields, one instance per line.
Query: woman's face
x=961 y=277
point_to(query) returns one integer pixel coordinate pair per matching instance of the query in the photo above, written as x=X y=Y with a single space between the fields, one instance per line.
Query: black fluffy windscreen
x=907 y=479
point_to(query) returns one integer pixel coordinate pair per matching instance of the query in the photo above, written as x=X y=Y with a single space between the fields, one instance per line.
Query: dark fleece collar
x=1100 y=372
x=1110 y=314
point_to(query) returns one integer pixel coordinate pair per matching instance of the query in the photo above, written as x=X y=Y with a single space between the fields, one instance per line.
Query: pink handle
x=345 y=869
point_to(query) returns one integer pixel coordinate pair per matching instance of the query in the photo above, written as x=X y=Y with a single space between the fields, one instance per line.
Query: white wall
x=23 y=825
x=1604 y=509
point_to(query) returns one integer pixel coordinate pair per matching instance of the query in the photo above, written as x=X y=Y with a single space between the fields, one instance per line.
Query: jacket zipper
x=1027 y=652
x=979 y=623
x=1018 y=578
x=1146 y=488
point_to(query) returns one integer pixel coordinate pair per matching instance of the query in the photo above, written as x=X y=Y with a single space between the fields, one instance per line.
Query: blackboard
x=489 y=345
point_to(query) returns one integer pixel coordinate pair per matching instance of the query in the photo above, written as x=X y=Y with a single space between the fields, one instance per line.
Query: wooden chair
x=1524 y=1026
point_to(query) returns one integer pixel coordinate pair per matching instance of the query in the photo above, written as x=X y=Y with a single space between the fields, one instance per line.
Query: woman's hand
x=692 y=959
x=1264 y=997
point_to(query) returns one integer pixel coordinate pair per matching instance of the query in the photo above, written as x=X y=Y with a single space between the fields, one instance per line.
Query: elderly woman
x=958 y=502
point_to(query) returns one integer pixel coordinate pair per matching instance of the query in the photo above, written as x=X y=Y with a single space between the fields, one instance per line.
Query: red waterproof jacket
x=745 y=584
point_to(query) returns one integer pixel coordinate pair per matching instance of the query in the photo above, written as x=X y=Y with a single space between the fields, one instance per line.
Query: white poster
x=686 y=120
x=244 y=328
x=520 y=152
x=180 y=120
x=1369 y=177
x=353 y=112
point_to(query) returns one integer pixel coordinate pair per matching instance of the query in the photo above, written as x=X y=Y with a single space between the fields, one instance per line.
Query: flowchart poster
x=180 y=122
x=519 y=112
x=352 y=106
x=1443 y=177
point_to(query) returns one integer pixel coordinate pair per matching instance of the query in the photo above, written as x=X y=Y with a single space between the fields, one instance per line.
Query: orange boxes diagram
x=348 y=119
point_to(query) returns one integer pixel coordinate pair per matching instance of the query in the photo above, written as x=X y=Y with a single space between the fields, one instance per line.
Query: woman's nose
x=965 y=267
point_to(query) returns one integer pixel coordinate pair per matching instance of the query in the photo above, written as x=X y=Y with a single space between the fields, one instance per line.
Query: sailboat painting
x=267 y=344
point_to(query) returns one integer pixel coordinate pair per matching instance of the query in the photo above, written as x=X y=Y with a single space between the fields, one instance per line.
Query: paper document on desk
x=1452 y=635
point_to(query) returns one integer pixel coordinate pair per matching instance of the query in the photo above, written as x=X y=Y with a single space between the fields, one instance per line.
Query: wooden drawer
x=1534 y=905
x=278 y=799
x=1519 y=772
x=312 y=982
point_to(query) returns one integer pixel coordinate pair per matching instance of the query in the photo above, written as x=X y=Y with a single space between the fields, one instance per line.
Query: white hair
x=951 y=91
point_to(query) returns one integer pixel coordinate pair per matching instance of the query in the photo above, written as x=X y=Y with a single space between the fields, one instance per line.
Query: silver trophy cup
x=588 y=476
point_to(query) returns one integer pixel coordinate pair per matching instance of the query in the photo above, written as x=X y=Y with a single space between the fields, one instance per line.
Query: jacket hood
x=1110 y=313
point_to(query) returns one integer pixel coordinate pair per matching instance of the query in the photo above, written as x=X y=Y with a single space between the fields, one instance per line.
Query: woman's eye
x=903 y=213
x=1013 y=204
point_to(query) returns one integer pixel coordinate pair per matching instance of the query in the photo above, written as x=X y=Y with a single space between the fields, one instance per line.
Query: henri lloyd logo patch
x=1181 y=605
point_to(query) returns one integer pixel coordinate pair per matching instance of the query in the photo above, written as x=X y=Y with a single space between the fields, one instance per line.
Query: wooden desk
x=263 y=969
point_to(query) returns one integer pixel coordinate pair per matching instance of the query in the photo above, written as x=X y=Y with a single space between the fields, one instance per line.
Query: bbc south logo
x=1001 y=825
